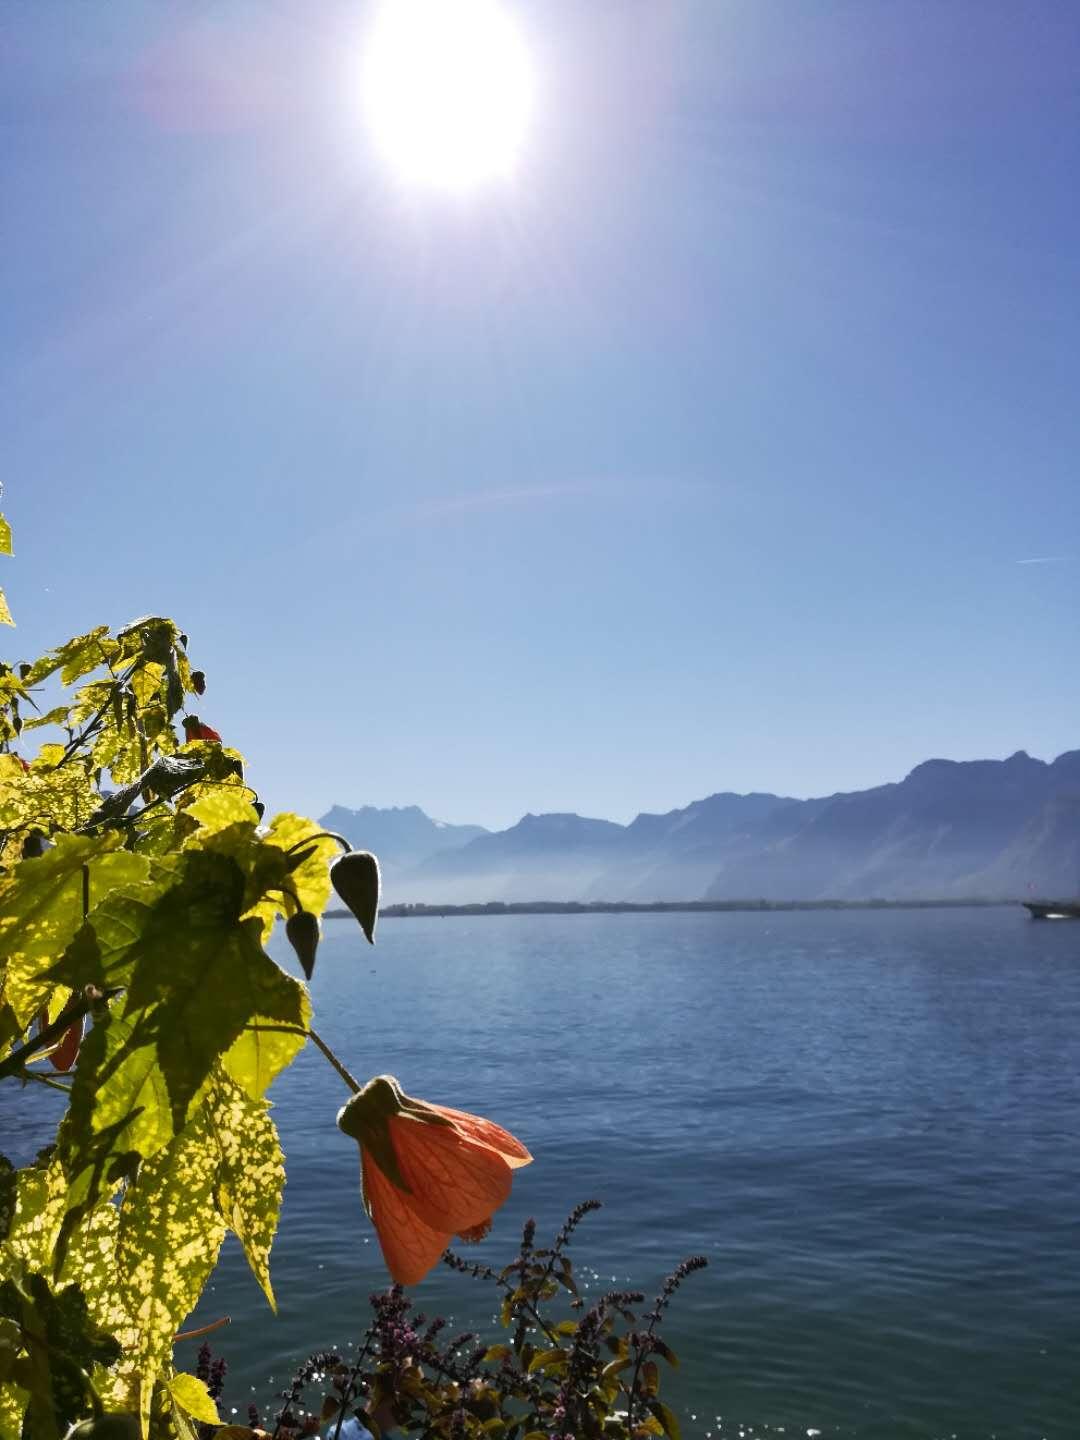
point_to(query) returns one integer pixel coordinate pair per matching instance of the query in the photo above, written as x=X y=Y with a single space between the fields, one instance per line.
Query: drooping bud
x=67 y=1052
x=302 y=933
x=194 y=729
x=355 y=877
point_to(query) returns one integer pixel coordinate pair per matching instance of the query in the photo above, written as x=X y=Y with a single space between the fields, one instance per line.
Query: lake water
x=868 y=1121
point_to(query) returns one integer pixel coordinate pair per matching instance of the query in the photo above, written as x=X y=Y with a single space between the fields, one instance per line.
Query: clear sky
x=734 y=443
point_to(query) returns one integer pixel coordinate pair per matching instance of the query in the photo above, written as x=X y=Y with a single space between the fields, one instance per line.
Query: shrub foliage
x=139 y=884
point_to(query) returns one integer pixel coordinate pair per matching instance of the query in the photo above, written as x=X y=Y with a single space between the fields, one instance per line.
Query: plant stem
x=347 y=1394
x=350 y=1080
x=203 y=1329
x=322 y=835
x=44 y=1080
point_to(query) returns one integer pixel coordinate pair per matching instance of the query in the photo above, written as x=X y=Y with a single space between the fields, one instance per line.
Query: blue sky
x=733 y=445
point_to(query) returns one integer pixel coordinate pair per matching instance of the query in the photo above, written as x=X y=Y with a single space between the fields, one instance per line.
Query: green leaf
x=56 y=716
x=6 y=617
x=91 y=1264
x=149 y=638
x=664 y=1350
x=5 y=536
x=666 y=1417
x=251 y=1175
x=119 y=1110
x=548 y=1360
x=146 y=682
x=63 y=1346
x=78 y=657
x=13 y=1402
x=9 y=1191
x=614 y=1368
x=274 y=1036
x=196 y=975
x=118 y=1063
x=310 y=879
x=40 y=1194
x=169 y=1236
x=41 y=908
x=217 y=807
x=192 y=1396
x=10 y=1345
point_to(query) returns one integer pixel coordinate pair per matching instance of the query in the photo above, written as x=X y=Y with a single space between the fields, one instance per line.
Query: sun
x=447 y=90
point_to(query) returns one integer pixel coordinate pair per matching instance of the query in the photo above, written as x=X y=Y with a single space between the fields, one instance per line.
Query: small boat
x=1053 y=909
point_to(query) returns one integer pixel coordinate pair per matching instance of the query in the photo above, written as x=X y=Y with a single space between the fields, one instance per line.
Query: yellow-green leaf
x=13 y=1400
x=168 y=1241
x=310 y=880
x=119 y=1105
x=5 y=536
x=192 y=1396
x=146 y=682
x=78 y=657
x=6 y=617
x=91 y=1264
x=41 y=908
x=274 y=1036
x=55 y=716
x=548 y=1360
x=252 y=1173
x=216 y=807
x=40 y=1196
x=201 y=975
x=667 y=1418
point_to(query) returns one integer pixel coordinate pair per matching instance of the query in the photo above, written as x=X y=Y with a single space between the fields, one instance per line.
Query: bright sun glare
x=448 y=89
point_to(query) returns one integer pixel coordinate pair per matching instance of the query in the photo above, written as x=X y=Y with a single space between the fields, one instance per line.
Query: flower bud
x=302 y=933
x=355 y=877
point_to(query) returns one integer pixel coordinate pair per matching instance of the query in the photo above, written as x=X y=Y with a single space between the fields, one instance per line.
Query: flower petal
x=486 y=1132
x=409 y=1246
x=453 y=1182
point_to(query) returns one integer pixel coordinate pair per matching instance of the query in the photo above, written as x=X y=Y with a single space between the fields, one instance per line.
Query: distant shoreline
x=658 y=907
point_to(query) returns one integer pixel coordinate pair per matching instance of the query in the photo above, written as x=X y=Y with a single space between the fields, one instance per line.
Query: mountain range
x=990 y=829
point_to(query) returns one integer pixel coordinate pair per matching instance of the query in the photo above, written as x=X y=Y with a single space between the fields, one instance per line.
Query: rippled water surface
x=868 y=1121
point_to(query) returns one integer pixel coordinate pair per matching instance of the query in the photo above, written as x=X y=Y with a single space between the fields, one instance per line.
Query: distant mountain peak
x=950 y=828
x=401 y=835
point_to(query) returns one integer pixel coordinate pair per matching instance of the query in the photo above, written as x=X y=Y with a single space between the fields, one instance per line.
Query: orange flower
x=427 y=1172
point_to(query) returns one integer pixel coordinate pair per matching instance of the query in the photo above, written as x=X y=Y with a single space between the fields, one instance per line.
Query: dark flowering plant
x=565 y=1370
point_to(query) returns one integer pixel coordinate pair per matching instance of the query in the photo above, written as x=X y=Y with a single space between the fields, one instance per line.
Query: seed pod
x=67 y=1052
x=355 y=877
x=302 y=933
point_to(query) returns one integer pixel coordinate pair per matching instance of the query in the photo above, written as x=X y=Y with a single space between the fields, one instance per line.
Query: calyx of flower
x=365 y=1119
